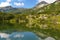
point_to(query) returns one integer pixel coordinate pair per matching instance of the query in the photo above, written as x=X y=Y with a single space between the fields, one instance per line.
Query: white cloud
x=48 y=1
x=18 y=36
x=19 y=4
x=4 y=4
x=4 y=35
x=49 y=38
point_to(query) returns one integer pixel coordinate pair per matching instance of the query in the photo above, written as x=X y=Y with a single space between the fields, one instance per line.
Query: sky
x=22 y=3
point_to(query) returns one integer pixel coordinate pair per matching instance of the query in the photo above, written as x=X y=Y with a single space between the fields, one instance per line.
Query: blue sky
x=22 y=3
x=25 y=3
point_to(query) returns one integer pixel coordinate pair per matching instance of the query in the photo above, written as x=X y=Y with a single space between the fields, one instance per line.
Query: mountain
x=7 y=9
x=39 y=8
x=57 y=0
x=22 y=10
x=53 y=8
x=10 y=9
x=41 y=4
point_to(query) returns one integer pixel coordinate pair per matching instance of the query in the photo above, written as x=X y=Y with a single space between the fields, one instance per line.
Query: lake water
x=19 y=36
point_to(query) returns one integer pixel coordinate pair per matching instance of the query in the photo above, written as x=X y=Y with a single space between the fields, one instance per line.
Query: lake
x=19 y=36
x=10 y=31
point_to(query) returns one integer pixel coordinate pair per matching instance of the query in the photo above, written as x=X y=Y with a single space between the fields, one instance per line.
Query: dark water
x=19 y=36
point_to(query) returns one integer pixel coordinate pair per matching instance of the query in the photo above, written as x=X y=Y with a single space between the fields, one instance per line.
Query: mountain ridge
x=37 y=8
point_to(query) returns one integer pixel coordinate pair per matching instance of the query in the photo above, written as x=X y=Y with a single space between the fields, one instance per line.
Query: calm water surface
x=19 y=36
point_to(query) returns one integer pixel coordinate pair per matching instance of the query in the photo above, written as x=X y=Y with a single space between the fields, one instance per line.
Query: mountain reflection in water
x=18 y=36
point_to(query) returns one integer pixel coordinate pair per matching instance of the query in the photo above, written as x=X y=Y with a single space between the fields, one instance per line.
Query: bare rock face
x=41 y=4
x=57 y=0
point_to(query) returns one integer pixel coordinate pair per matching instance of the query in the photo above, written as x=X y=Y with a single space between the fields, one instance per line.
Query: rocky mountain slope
x=7 y=9
x=41 y=4
x=53 y=8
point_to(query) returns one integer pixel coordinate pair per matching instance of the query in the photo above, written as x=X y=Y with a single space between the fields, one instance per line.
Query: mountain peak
x=57 y=0
x=6 y=9
x=41 y=4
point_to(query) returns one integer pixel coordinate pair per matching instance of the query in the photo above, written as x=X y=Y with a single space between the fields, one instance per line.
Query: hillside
x=54 y=7
x=10 y=9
